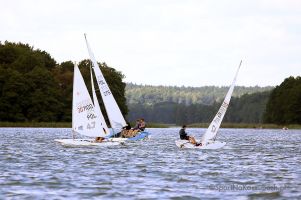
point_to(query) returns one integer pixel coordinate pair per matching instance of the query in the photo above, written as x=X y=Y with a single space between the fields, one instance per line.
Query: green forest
x=186 y=105
x=35 y=88
x=249 y=108
x=284 y=105
x=207 y=95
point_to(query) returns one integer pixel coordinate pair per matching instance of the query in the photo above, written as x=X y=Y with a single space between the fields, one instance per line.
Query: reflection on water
x=255 y=164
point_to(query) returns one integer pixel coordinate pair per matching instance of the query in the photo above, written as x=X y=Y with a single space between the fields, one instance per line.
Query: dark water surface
x=255 y=164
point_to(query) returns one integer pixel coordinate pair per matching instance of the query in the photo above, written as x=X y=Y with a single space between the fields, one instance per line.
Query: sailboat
x=87 y=119
x=115 y=116
x=208 y=140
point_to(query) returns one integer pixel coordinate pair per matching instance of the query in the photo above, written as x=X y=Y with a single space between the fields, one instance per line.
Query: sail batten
x=212 y=130
x=115 y=116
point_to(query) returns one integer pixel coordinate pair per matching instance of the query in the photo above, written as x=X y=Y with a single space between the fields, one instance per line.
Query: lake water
x=255 y=164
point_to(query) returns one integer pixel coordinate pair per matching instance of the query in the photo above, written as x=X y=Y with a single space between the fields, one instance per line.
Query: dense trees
x=284 y=105
x=33 y=87
x=247 y=109
x=178 y=105
x=28 y=91
x=146 y=94
x=281 y=105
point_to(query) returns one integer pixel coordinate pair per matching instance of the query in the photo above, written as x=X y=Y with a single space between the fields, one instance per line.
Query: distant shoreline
x=245 y=125
x=152 y=125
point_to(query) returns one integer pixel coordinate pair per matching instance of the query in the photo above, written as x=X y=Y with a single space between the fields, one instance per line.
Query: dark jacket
x=183 y=134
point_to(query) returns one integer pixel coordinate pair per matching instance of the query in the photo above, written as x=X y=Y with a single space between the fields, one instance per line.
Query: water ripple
x=255 y=164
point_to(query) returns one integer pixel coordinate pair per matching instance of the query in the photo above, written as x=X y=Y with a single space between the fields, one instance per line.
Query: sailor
x=136 y=127
x=142 y=125
x=184 y=136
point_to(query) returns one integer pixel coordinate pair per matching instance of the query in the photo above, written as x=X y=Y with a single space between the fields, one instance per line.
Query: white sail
x=211 y=132
x=114 y=114
x=97 y=107
x=84 y=119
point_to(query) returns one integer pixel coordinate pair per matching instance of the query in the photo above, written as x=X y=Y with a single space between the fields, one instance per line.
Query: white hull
x=117 y=139
x=188 y=145
x=85 y=142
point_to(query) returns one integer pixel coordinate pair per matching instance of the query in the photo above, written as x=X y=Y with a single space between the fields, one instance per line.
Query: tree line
x=279 y=105
x=150 y=95
x=34 y=87
x=248 y=108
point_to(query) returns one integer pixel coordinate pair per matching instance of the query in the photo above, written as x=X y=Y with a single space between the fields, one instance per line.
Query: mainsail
x=85 y=120
x=114 y=114
x=211 y=132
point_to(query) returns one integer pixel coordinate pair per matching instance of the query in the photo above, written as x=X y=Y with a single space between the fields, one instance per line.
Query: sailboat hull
x=140 y=136
x=85 y=142
x=186 y=144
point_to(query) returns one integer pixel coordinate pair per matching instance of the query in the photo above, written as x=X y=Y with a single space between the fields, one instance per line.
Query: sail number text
x=104 y=87
x=91 y=125
x=219 y=115
x=85 y=108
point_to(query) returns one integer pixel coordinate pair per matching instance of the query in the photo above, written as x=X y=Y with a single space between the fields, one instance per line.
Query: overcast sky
x=166 y=42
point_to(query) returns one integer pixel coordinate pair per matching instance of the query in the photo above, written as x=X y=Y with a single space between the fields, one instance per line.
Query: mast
x=73 y=132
